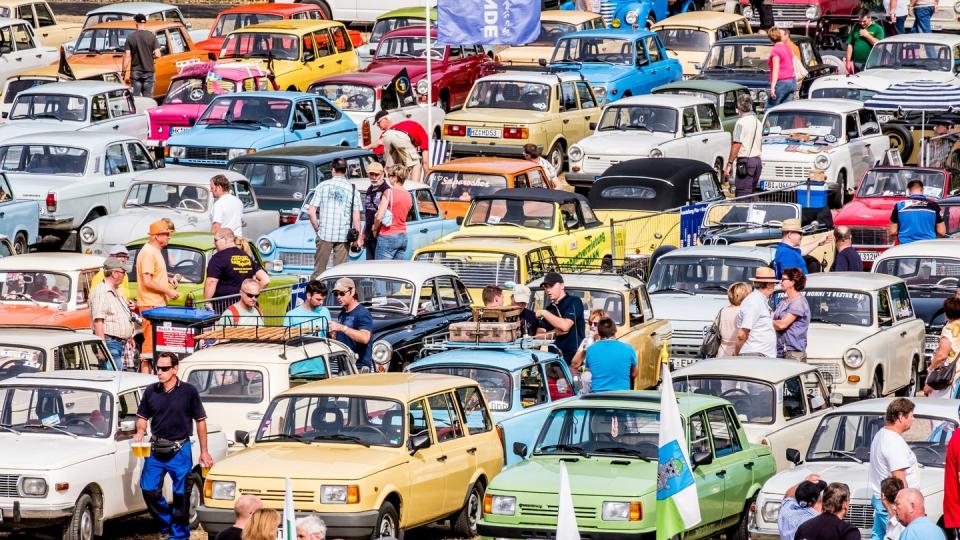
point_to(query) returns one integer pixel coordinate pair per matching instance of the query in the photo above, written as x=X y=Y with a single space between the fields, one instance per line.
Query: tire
x=465 y=524
x=196 y=499
x=657 y=253
x=388 y=523
x=82 y=523
x=739 y=531
x=877 y=387
x=837 y=197
x=324 y=8
x=20 y=245
x=292 y=88
x=92 y=216
x=900 y=139
x=444 y=101
x=910 y=390
x=555 y=156
x=718 y=168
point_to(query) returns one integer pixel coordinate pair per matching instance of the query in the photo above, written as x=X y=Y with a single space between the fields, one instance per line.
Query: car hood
x=416 y=69
x=497 y=117
x=867 y=211
x=907 y=75
x=44 y=451
x=687 y=59
x=28 y=313
x=524 y=56
x=15 y=128
x=340 y=461
x=749 y=78
x=596 y=74
x=680 y=308
x=117 y=228
x=595 y=476
x=297 y=235
x=223 y=137
x=626 y=143
x=929 y=308
x=853 y=474
x=780 y=148
x=830 y=341
x=112 y=60
x=178 y=112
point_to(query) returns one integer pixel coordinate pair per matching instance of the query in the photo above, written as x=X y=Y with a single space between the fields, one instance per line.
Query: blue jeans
x=392 y=247
x=174 y=520
x=116 y=351
x=784 y=90
x=880 y=519
x=899 y=25
x=921 y=21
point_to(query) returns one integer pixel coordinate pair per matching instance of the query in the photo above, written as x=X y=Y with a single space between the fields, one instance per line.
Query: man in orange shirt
x=153 y=285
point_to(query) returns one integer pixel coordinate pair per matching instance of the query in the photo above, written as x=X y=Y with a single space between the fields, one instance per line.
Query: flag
x=289 y=529
x=566 y=518
x=488 y=22
x=64 y=67
x=678 y=507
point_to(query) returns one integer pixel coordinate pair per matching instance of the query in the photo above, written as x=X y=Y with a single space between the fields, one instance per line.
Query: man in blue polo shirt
x=917 y=217
x=790 y=253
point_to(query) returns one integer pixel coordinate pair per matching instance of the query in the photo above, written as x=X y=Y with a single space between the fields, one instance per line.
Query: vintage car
x=617 y=64
x=847 y=459
x=6 y=247
x=41 y=18
x=613 y=462
x=33 y=348
x=689 y=36
x=193 y=89
x=47 y=289
x=864 y=333
x=20 y=48
x=506 y=111
x=868 y=214
x=950 y=208
x=296 y=52
x=778 y=403
x=688 y=287
x=554 y=24
x=395 y=468
x=860 y=87
x=409 y=302
x=910 y=57
x=819 y=19
x=626 y=299
x=650 y=126
x=833 y=140
x=455 y=183
x=388 y=22
x=153 y=11
x=95 y=413
x=235 y=125
x=21 y=218
x=629 y=14
x=236 y=17
x=723 y=94
x=181 y=194
x=520 y=381
x=29 y=78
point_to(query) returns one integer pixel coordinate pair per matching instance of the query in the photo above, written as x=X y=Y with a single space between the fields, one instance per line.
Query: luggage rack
x=298 y=335
x=440 y=342
x=632 y=267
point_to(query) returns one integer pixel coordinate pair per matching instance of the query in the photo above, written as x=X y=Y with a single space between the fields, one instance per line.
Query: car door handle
x=903 y=333
x=748 y=465
x=705 y=139
x=721 y=473
x=254 y=415
x=442 y=458
x=408 y=115
x=566 y=120
x=21 y=59
x=112 y=184
x=424 y=231
x=472 y=450
x=589 y=237
x=2 y=214
x=116 y=126
x=339 y=61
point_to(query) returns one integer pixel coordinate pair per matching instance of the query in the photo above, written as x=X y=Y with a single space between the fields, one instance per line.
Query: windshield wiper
x=9 y=428
x=710 y=286
x=843 y=453
x=342 y=437
x=563 y=448
x=674 y=289
x=637 y=127
x=23 y=295
x=284 y=437
x=55 y=428
x=822 y=320
x=45 y=115
x=625 y=451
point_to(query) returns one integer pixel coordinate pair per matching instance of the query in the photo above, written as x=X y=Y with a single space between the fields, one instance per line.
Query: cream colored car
x=554 y=24
x=689 y=36
x=41 y=17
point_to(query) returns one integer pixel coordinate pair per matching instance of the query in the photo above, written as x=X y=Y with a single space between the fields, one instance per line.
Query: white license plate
x=783 y=24
x=175 y=130
x=884 y=118
x=677 y=363
x=484 y=132
x=768 y=184
x=868 y=255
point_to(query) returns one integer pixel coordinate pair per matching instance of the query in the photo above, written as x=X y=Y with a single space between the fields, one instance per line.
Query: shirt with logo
x=916 y=218
x=230 y=267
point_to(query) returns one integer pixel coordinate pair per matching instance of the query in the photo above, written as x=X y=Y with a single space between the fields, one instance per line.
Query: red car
x=454 y=68
x=868 y=214
x=819 y=19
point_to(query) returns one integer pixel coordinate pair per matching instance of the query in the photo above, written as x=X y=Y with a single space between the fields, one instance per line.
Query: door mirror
x=159 y=163
x=127 y=426
x=459 y=221
x=5 y=48
x=373 y=52
x=212 y=57
x=836 y=399
x=297 y=126
x=419 y=442
x=571 y=223
x=852 y=134
x=593 y=126
x=793 y=456
x=886 y=321
x=242 y=437
x=702 y=458
x=520 y=449
x=542 y=62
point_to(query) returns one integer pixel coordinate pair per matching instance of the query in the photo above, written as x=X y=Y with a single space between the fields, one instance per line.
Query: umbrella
x=918 y=96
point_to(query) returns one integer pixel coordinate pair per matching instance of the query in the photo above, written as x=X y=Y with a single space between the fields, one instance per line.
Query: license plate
x=884 y=118
x=783 y=24
x=484 y=132
x=868 y=255
x=677 y=363
x=175 y=130
x=931 y=346
x=769 y=184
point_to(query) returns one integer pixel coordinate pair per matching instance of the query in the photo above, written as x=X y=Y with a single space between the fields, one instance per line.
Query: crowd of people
x=254 y=522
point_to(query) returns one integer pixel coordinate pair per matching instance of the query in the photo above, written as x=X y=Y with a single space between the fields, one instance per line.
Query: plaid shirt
x=332 y=201
x=107 y=304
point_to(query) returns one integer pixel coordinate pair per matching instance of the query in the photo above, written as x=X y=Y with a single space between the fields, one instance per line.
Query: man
x=311 y=527
x=371 y=203
x=917 y=217
x=112 y=319
x=405 y=144
x=245 y=506
x=339 y=204
x=938 y=147
x=745 y=151
x=829 y=525
x=230 y=266
x=245 y=311
x=912 y=513
x=528 y=319
x=764 y=11
x=120 y=252
x=153 y=284
x=311 y=314
x=755 y=334
x=492 y=296
x=801 y=503
x=612 y=363
x=354 y=323
x=847 y=258
x=923 y=11
x=891 y=456
x=789 y=252
x=227 y=207
x=171 y=406
x=531 y=152
x=139 y=51
x=863 y=36
x=951 y=489
x=564 y=315
x=897 y=12
x=889 y=489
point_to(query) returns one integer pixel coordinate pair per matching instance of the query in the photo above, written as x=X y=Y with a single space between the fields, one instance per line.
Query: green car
x=723 y=94
x=609 y=443
x=388 y=22
x=188 y=254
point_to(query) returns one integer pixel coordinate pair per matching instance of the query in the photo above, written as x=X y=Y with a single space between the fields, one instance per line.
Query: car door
x=180 y=55
x=729 y=458
x=909 y=334
x=796 y=418
x=11 y=58
x=17 y=215
x=657 y=70
x=304 y=128
x=571 y=117
x=458 y=449
x=708 y=477
x=588 y=106
x=125 y=490
x=859 y=153
x=427 y=467
x=876 y=142
x=685 y=146
x=345 y=58
x=123 y=115
x=429 y=224
x=713 y=141
x=97 y=357
x=68 y=356
x=46 y=25
x=887 y=338
x=477 y=420
x=118 y=172
x=326 y=60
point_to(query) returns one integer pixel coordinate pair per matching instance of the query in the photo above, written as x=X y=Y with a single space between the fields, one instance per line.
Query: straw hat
x=765 y=274
x=791 y=225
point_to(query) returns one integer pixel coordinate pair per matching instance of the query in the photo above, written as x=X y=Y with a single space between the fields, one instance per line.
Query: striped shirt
x=107 y=304
x=332 y=201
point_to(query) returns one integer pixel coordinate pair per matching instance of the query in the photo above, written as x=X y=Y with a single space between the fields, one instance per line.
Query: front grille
x=277 y=495
x=582 y=512
x=686 y=343
x=860 y=516
x=870 y=236
x=785 y=12
x=476 y=271
x=829 y=370
x=293 y=259
x=202 y=152
x=791 y=172
x=607 y=9
x=599 y=164
x=8 y=485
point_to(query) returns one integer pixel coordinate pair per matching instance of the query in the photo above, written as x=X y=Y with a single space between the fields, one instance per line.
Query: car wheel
x=555 y=156
x=877 y=387
x=837 y=197
x=657 y=253
x=910 y=390
x=20 y=245
x=900 y=139
x=324 y=8
x=718 y=168
x=83 y=520
x=739 y=531
x=388 y=523
x=96 y=214
x=444 y=102
x=466 y=523
x=196 y=499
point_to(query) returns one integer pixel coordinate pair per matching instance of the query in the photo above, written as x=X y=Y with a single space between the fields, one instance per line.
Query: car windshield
x=384 y=26
x=55 y=106
x=532 y=214
x=753 y=400
x=16 y=359
x=228 y=385
x=351 y=420
x=936 y=275
x=497 y=384
x=408 y=47
x=594 y=50
x=70 y=412
x=858 y=94
x=700 y=275
x=893 y=182
x=162 y=195
x=477 y=269
x=348 y=97
x=14 y=87
x=33 y=286
x=261 y=45
x=836 y=307
x=460 y=186
x=43 y=159
x=551 y=31
x=238 y=109
x=102 y=40
x=898 y=54
x=727 y=214
x=187 y=262
x=951 y=217
x=684 y=39
x=639 y=118
x=738 y=56
x=592 y=299
x=805 y=122
x=377 y=293
x=599 y=430
x=715 y=98
x=275 y=180
x=847 y=437
x=228 y=22
x=501 y=94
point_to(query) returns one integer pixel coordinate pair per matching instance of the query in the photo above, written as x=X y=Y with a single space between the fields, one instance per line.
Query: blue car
x=626 y=13
x=521 y=383
x=19 y=218
x=235 y=125
x=290 y=249
x=617 y=64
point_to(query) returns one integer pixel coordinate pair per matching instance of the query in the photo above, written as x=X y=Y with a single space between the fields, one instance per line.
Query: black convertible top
x=647 y=184
x=533 y=194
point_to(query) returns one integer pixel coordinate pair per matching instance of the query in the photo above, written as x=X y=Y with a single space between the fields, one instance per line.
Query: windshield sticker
x=378 y=300
x=499 y=406
x=31 y=364
x=494 y=220
x=756 y=215
x=453 y=181
x=51 y=420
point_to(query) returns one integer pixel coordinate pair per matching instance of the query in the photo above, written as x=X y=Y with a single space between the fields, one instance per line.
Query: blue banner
x=691 y=217
x=488 y=22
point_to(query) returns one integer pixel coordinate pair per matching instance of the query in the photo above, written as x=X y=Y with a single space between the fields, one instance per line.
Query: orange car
x=47 y=289
x=455 y=183
x=102 y=44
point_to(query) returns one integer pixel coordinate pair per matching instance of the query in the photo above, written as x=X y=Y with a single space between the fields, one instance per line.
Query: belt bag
x=164 y=449
x=741 y=168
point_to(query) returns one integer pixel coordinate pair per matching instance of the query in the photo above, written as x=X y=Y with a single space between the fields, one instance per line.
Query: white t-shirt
x=901 y=8
x=749 y=133
x=228 y=212
x=755 y=316
x=888 y=453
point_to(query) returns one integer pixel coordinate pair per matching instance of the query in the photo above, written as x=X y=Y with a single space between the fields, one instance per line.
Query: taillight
x=515 y=133
x=455 y=130
x=288 y=219
x=365 y=132
x=51 y=202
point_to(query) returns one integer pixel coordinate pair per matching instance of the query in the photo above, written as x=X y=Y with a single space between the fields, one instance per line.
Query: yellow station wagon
x=689 y=36
x=554 y=24
x=370 y=454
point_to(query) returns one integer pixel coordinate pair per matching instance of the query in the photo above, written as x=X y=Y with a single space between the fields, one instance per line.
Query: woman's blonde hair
x=775 y=35
x=263 y=525
x=401 y=174
x=600 y=314
x=737 y=292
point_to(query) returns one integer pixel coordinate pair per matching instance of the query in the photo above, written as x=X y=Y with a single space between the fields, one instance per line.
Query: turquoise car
x=609 y=444
x=235 y=125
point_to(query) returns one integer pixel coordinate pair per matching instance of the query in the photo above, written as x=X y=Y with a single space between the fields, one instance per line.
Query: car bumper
x=507 y=531
x=581 y=179
x=220 y=164
x=346 y=525
x=478 y=149
x=17 y=515
x=56 y=223
x=763 y=534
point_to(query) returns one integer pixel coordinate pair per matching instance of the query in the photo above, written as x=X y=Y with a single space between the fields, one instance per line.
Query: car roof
x=507 y=359
x=290 y=25
x=746 y=367
x=747 y=252
x=153 y=26
x=109 y=381
x=568 y=15
x=945 y=408
x=663 y=100
x=80 y=71
x=486 y=165
x=472 y=243
x=602 y=281
x=617 y=33
x=670 y=177
x=271 y=7
x=704 y=85
x=645 y=399
x=197 y=176
x=402 y=387
x=533 y=194
x=311 y=154
x=417 y=271
x=53 y=262
x=859 y=80
x=82 y=88
x=941 y=247
x=865 y=281
x=833 y=105
x=88 y=140
x=533 y=77
x=132 y=8
x=696 y=19
x=951 y=40
x=42 y=336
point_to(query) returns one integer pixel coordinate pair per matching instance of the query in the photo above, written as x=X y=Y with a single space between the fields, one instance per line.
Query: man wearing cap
x=153 y=284
x=520 y=298
x=917 y=217
x=404 y=143
x=755 y=334
x=110 y=312
x=790 y=253
x=354 y=323
x=139 y=51
x=800 y=503
x=371 y=203
x=564 y=315
x=120 y=252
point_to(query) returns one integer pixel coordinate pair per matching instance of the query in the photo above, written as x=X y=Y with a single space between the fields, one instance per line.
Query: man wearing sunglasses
x=371 y=203
x=354 y=323
x=245 y=311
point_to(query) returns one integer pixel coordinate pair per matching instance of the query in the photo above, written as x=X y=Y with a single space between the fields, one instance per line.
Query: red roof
x=372 y=79
x=280 y=9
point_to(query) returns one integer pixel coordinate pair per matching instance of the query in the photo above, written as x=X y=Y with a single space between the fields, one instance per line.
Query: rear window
x=458 y=186
x=15 y=359
x=275 y=180
x=228 y=385
x=15 y=87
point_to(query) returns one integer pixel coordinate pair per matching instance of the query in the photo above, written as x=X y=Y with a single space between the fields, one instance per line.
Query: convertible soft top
x=646 y=184
x=533 y=194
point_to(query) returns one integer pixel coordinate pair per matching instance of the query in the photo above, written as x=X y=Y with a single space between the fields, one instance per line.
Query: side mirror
x=4 y=49
x=702 y=458
x=159 y=163
x=698 y=67
x=886 y=321
x=793 y=456
x=4 y=115
x=542 y=62
x=520 y=449
x=593 y=126
x=298 y=126
x=189 y=25
x=571 y=223
x=242 y=437
x=852 y=134
x=373 y=52
x=459 y=220
x=211 y=56
x=836 y=399
x=127 y=426
x=419 y=442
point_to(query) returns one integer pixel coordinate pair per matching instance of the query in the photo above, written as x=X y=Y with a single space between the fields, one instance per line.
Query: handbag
x=130 y=355
x=799 y=70
x=352 y=234
x=387 y=218
x=942 y=377
x=164 y=449
x=711 y=339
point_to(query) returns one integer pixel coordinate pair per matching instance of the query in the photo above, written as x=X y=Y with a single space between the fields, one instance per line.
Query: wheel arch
x=96 y=494
x=392 y=495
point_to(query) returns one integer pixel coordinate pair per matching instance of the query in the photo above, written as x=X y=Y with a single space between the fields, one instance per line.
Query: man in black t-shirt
x=229 y=266
x=139 y=51
x=371 y=203
x=245 y=506
x=829 y=525
x=564 y=315
x=847 y=259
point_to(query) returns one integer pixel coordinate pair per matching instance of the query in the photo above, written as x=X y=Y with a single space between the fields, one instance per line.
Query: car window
x=571 y=219
x=228 y=385
x=174 y=15
x=689 y=121
x=883 y=306
x=162 y=41
x=699 y=439
x=723 y=432
x=816 y=392
x=83 y=285
x=244 y=193
x=586 y=96
x=568 y=96
x=475 y=414
x=446 y=420
x=340 y=39
x=128 y=403
x=535 y=179
x=25 y=12
x=309 y=51
x=428 y=301
x=709 y=121
x=456 y=53
x=463 y=293
x=304 y=113
x=901 y=301
x=636 y=311
x=708 y=188
x=447 y=293
x=868 y=122
x=730 y=104
x=558 y=383
x=116 y=161
x=99 y=110
x=98 y=357
x=417 y=416
x=532 y=391
x=324 y=45
x=120 y=103
x=645 y=304
x=23 y=37
x=794 y=399
x=426 y=205
x=852 y=131
x=139 y=157
x=325 y=111
x=178 y=43
x=727 y=30
x=653 y=49
x=44 y=17
x=68 y=356
x=642 y=59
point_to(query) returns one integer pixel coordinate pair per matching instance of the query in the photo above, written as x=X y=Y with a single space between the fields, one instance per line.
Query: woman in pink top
x=783 y=82
x=392 y=237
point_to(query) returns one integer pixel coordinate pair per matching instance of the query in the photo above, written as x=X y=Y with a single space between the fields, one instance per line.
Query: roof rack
x=610 y=267
x=439 y=342
x=298 y=335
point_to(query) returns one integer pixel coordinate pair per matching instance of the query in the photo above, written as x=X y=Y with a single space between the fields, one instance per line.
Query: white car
x=863 y=333
x=179 y=193
x=20 y=48
x=913 y=57
x=840 y=452
x=154 y=11
x=859 y=88
x=662 y=125
x=30 y=348
x=66 y=446
x=836 y=139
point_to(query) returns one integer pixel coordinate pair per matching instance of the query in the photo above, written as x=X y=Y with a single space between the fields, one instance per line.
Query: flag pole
x=426 y=9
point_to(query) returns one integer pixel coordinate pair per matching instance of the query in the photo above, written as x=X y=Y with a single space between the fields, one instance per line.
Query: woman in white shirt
x=727 y=319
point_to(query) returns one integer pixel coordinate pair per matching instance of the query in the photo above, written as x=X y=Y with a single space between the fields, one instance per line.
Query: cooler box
x=812 y=194
x=174 y=328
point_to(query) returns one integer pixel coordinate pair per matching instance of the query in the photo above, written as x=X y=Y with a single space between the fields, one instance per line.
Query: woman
x=390 y=225
x=783 y=81
x=612 y=364
x=791 y=319
x=262 y=525
x=948 y=350
x=577 y=362
x=727 y=319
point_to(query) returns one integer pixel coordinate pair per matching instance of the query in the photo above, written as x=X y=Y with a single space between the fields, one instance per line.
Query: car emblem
x=196 y=94
x=297 y=195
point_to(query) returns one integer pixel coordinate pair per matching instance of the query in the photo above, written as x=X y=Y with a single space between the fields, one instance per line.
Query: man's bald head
x=909 y=505
x=245 y=506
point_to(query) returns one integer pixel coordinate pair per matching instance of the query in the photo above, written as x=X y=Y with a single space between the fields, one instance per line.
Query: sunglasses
x=248 y=295
x=338 y=294
x=164 y=369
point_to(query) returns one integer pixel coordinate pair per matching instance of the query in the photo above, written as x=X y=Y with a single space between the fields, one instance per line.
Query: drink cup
x=141 y=449
x=204 y=471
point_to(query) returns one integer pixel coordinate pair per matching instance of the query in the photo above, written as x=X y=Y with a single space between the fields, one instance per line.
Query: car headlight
x=265 y=245
x=771 y=511
x=381 y=353
x=575 y=153
x=422 y=87
x=821 y=162
x=656 y=153
x=177 y=151
x=87 y=234
x=631 y=17
x=853 y=358
x=33 y=487
x=956 y=7
x=621 y=511
x=223 y=490
x=500 y=505
x=747 y=12
x=813 y=12
x=340 y=494
x=234 y=153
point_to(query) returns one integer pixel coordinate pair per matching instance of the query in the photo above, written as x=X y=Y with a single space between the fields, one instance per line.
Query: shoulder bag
x=711 y=339
x=387 y=218
x=352 y=233
x=942 y=377
x=799 y=70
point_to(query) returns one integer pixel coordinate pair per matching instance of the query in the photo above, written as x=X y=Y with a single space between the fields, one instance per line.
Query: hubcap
x=86 y=524
x=194 y=502
x=556 y=159
x=473 y=509
x=387 y=526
